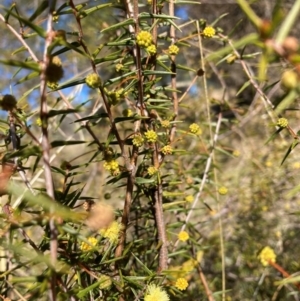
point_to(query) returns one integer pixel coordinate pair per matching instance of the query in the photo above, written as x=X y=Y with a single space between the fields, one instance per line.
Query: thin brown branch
x=46 y=147
x=205 y=284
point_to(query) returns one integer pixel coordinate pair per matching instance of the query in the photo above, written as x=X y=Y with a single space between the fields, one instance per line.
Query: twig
x=204 y=282
x=46 y=146
x=204 y=178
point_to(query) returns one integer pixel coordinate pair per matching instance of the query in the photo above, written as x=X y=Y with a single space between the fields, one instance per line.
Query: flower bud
x=289 y=80
x=93 y=80
x=8 y=102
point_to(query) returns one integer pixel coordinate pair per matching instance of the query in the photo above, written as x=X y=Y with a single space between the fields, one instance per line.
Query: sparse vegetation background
x=149 y=150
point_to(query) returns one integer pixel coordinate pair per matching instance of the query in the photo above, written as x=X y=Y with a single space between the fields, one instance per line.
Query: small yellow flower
x=266 y=256
x=195 y=129
x=236 y=153
x=181 y=284
x=189 y=198
x=268 y=163
x=93 y=80
x=112 y=166
x=127 y=113
x=282 y=122
x=52 y=85
x=144 y=39
x=151 y=49
x=223 y=190
x=296 y=165
x=151 y=136
x=209 y=32
x=92 y=241
x=38 y=122
x=155 y=293
x=165 y=123
x=115 y=96
x=152 y=170
x=138 y=140
x=183 y=236
x=167 y=150
x=119 y=67
x=112 y=232
x=173 y=49
x=105 y=282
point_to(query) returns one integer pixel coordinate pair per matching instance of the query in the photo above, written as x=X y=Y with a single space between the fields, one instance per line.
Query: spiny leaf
x=85 y=13
x=39 y=30
x=32 y=65
x=53 y=113
x=118 y=25
x=292 y=146
x=43 y=5
x=57 y=143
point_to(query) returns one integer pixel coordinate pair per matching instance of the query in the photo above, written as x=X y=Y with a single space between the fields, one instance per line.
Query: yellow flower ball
x=183 y=236
x=189 y=198
x=151 y=136
x=266 y=256
x=152 y=170
x=138 y=140
x=223 y=190
x=173 y=49
x=167 y=150
x=195 y=129
x=92 y=242
x=93 y=80
x=112 y=232
x=181 y=284
x=209 y=32
x=282 y=122
x=144 y=39
x=155 y=293
x=151 y=49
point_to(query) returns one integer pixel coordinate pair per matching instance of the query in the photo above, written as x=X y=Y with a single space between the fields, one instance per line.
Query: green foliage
x=131 y=170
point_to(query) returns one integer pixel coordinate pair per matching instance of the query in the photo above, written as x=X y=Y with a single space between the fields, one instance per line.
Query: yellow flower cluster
x=144 y=39
x=127 y=113
x=173 y=49
x=183 y=236
x=209 y=32
x=38 y=122
x=189 y=198
x=267 y=255
x=138 y=140
x=151 y=49
x=92 y=241
x=151 y=136
x=115 y=96
x=112 y=166
x=195 y=129
x=236 y=153
x=167 y=150
x=223 y=190
x=119 y=67
x=152 y=170
x=52 y=85
x=93 y=80
x=282 y=122
x=181 y=284
x=165 y=123
x=155 y=293
x=112 y=232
